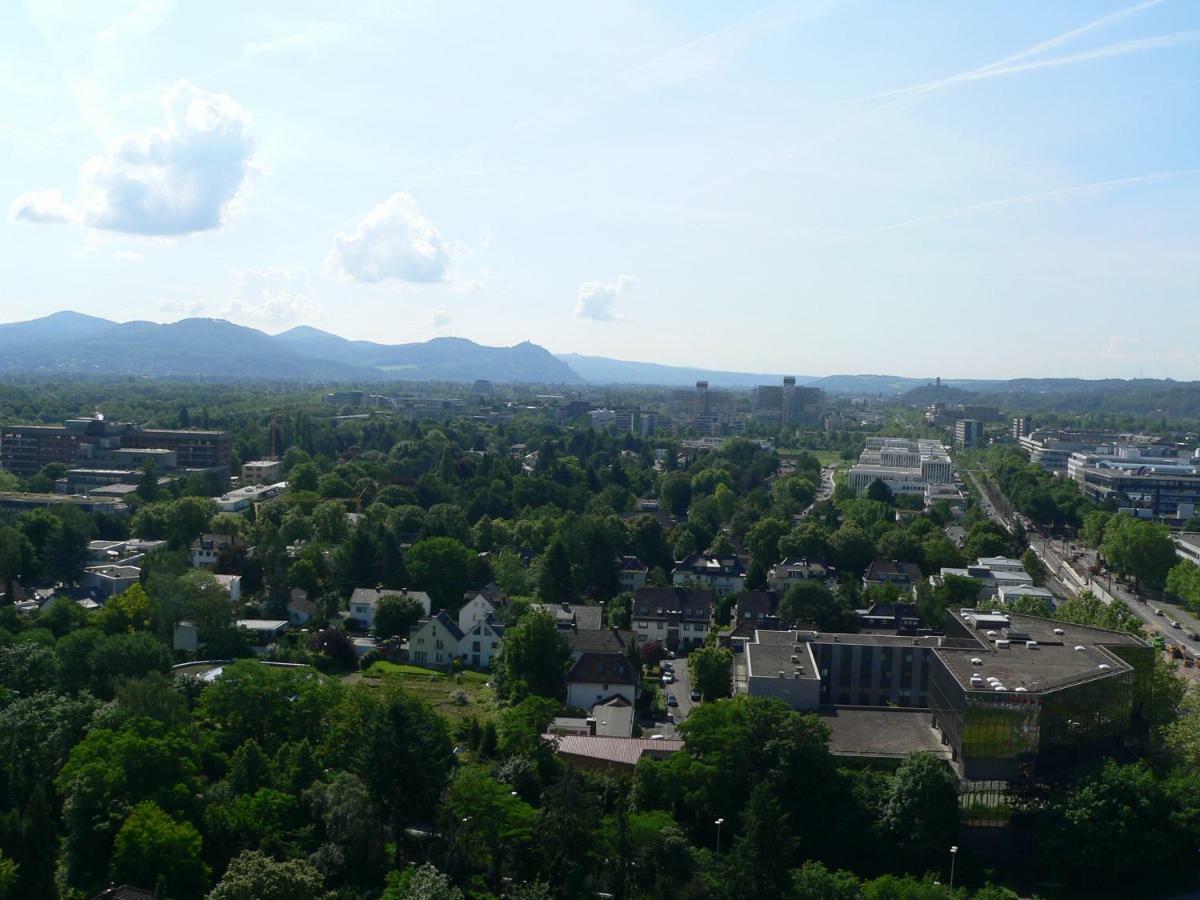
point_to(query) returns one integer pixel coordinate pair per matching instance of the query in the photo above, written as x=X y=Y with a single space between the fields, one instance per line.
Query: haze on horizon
x=814 y=187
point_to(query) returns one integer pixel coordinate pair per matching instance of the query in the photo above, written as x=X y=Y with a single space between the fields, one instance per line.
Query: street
x=680 y=690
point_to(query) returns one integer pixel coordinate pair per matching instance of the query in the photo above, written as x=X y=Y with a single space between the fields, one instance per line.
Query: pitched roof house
x=597 y=677
x=673 y=616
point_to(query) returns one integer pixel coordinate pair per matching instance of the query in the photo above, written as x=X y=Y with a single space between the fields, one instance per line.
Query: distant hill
x=68 y=343
x=602 y=370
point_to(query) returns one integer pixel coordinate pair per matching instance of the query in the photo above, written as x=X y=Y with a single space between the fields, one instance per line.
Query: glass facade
x=992 y=733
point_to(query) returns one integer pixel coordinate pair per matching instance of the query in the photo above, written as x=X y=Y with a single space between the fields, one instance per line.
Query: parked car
x=695 y=696
x=1157 y=611
x=671 y=701
x=1175 y=624
x=668 y=678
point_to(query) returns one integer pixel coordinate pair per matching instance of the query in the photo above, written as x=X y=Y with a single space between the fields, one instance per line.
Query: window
x=475 y=647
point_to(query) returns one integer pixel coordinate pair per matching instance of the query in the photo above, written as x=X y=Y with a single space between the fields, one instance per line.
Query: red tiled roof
x=624 y=751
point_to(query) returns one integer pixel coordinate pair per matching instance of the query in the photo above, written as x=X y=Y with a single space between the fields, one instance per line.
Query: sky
x=991 y=189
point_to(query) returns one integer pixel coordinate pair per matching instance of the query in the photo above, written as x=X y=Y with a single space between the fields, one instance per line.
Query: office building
x=262 y=471
x=1021 y=426
x=968 y=433
x=785 y=404
x=905 y=466
x=97 y=443
x=1001 y=689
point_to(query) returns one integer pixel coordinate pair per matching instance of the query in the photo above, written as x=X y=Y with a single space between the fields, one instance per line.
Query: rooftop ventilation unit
x=1032 y=645
x=1021 y=690
x=976 y=661
x=1000 y=642
x=1059 y=631
x=1105 y=666
x=1080 y=647
x=999 y=687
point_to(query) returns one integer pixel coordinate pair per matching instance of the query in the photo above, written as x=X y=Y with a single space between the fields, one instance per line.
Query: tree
x=153 y=848
x=1094 y=525
x=852 y=549
x=438 y=566
x=555 y=583
x=675 y=493
x=711 y=669
x=1034 y=566
x=1088 y=609
x=329 y=522
x=1183 y=581
x=762 y=540
x=420 y=883
x=810 y=602
x=533 y=659
x=986 y=539
x=763 y=852
x=252 y=875
x=921 y=812
x=128 y=611
x=879 y=491
x=396 y=614
x=1139 y=548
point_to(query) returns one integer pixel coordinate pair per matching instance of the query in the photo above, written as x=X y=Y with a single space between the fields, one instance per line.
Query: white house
x=365 y=601
x=232 y=585
x=300 y=609
x=434 y=641
x=480 y=643
x=598 y=677
x=474 y=611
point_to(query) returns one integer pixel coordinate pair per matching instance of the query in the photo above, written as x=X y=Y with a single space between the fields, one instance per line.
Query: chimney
x=591 y=726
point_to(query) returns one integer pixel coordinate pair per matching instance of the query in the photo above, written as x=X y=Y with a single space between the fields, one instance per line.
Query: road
x=1055 y=555
x=681 y=690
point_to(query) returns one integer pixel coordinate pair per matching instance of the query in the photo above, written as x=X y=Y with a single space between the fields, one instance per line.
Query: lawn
x=456 y=697
x=824 y=457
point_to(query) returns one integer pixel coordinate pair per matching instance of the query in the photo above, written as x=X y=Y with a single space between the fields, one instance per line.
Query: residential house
x=474 y=611
x=110 y=580
x=904 y=575
x=480 y=643
x=300 y=609
x=211 y=550
x=754 y=607
x=723 y=574
x=365 y=601
x=572 y=616
x=894 y=618
x=611 y=754
x=632 y=574
x=613 y=718
x=232 y=585
x=788 y=571
x=435 y=641
x=597 y=677
x=602 y=640
x=675 y=617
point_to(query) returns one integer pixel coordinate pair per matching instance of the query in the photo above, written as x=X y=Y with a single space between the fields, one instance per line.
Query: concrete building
x=785 y=404
x=905 y=466
x=1021 y=426
x=26 y=449
x=599 y=677
x=791 y=570
x=968 y=433
x=1162 y=487
x=110 y=580
x=723 y=574
x=632 y=573
x=18 y=502
x=674 y=617
x=1002 y=689
x=262 y=471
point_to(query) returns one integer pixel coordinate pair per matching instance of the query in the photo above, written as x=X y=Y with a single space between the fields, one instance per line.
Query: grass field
x=457 y=697
x=824 y=457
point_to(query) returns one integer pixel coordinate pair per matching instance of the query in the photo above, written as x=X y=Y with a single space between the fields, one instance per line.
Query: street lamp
x=718 y=824
x=953 y=857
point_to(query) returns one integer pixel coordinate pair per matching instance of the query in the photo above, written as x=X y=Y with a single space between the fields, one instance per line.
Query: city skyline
x=1004 y=190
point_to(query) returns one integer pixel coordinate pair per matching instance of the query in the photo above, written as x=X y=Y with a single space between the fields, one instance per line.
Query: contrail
x=1023 y=200
x=1032 y=50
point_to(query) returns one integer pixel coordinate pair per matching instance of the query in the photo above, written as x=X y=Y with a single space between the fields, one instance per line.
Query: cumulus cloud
x=275 y=295
x=181 y=178
x=41 y=207
x=393 y=242
x=598 y=299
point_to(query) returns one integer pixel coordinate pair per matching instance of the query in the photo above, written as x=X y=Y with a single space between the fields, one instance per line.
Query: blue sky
x=965 y=189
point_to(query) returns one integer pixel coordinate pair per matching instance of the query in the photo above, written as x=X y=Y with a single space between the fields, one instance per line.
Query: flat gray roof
x=1053 y=662
x=769 y=659
x=882 y=733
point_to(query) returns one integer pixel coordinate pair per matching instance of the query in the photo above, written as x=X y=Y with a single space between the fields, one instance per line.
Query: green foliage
x=711 y=669
x=253 y=875
x=153 y=848
x=921 y=812
x=1140 y=549
x=533 y=659
x=1088 y=609
x=438 y=567
x=396 y=614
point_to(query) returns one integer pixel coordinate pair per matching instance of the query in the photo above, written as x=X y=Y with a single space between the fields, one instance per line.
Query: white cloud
x=276 y=295
x=41 y=207
x=393 y=242
x=440 y=317
x=182 y=308
x=312 y=35
x=129 y=256
x=598 y=299
x=179 y=179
